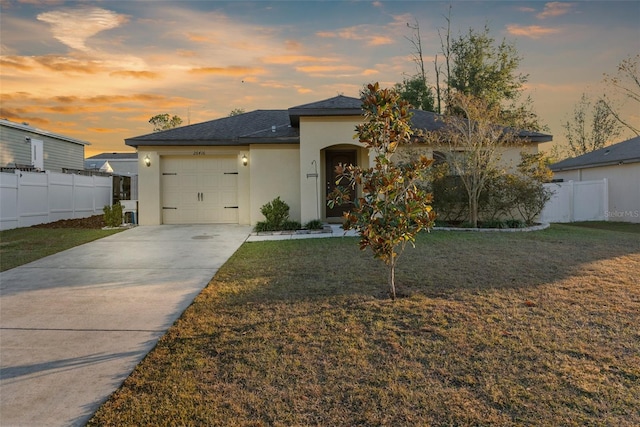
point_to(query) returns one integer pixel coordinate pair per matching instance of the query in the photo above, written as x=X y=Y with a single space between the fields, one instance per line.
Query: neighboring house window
x=37 y=154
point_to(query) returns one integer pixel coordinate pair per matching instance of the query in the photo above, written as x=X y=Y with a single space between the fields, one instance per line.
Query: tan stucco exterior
x=317 y=134
x=623 y=188
x=275 y=172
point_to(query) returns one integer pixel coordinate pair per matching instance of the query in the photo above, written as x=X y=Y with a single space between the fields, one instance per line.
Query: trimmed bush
x=314 y=224
x=113 y=215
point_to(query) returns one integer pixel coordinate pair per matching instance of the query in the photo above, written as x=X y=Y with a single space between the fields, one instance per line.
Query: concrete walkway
x=74 y=325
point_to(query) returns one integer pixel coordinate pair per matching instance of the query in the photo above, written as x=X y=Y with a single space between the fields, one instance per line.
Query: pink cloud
x=555 y=9
x=531 y=31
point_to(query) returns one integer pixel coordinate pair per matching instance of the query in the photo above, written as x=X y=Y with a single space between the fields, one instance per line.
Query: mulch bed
x=92 y=222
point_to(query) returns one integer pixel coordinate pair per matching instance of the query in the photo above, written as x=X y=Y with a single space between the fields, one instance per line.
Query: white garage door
x=199 y=190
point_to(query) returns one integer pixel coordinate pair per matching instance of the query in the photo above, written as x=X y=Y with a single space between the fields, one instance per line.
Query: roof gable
x=621 y=153
x=337 y=106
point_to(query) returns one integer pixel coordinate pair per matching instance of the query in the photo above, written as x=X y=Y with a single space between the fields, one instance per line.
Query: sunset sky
x=98 y=70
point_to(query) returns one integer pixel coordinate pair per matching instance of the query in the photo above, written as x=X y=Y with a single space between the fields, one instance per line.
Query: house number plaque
x=199 y=153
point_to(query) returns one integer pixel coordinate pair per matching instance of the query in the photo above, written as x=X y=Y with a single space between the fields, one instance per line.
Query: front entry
x=332 y=159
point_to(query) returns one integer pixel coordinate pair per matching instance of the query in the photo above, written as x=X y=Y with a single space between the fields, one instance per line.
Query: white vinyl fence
x=29 y=198
x=576 y=201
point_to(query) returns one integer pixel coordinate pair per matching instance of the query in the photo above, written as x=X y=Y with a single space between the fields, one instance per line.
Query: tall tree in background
x=393 y=207
x=164 y=121
x=626 y=83
x=591 y=127
x=416 y=89
x=488 y=71
x=237 y=112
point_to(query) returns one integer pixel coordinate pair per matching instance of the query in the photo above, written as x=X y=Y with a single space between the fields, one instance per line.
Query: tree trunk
x=473 y=205
x=392 y=279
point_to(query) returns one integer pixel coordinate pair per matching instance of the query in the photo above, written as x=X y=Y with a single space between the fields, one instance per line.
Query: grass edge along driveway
x=499 y=329
x=20 y=246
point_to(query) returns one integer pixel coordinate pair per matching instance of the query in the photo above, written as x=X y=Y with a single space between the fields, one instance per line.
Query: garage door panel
x=202 y=190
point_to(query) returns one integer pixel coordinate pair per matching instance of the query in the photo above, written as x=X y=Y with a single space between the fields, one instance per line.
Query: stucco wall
x=316 y=135
x=624 y=188
x=275 y=171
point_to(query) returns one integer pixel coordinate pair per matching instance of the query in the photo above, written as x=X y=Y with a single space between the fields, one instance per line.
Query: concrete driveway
x=75 y=324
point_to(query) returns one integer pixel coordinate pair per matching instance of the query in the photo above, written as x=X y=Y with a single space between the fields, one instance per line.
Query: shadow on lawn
x=441 y=264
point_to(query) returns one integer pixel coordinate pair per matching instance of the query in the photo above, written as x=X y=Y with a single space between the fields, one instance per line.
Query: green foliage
x=514 y=223
x=314 y=224
x=502 y=195
x=450 y=199
x=392 y=208
x=416 y=91
x=237 y=112
x=276 y=213
x=113 y=215
x=290 y=225
x=164 y=121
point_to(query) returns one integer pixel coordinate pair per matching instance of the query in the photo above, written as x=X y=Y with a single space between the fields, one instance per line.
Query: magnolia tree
x=392 y=207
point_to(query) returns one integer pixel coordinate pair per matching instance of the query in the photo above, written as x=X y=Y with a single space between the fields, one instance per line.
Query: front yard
x=497 y=329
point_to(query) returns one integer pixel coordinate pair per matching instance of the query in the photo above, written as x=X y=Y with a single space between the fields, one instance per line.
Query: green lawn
x=23 y=245
x=497 y=329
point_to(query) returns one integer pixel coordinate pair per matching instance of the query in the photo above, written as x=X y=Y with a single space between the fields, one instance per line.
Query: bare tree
x=472 y=144
x=591 y=127
x=625 y=83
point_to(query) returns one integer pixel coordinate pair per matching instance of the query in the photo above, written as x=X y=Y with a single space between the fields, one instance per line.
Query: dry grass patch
x=499 y=329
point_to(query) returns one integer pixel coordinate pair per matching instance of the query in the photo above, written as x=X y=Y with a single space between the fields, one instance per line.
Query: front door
x=333 y=159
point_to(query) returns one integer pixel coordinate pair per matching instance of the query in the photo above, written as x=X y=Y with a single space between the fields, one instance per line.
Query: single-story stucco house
x=225 y=170
x=620 y=165
x=28 y=148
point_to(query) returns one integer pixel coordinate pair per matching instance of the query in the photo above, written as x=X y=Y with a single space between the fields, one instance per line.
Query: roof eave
x=595 y=165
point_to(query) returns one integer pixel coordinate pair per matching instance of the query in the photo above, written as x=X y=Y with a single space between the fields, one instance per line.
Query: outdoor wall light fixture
x=245 y=161
x=147 y=161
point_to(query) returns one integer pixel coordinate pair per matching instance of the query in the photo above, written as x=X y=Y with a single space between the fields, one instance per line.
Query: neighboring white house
x=26 y=147
x=223 y=171
x=620 y=165
x=125 y=164
x=123 y=167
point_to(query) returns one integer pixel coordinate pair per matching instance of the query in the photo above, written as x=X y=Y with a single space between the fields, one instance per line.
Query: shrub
x=450 y=198
x=113 y=215
x=314 y=224
x=291 y=225
x=492 y=223
x=276 y=213
x=529 y=197
x=514 y=223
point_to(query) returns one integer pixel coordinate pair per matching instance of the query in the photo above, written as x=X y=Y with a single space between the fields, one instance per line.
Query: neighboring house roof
x=114 y=156
x=280 y=126
x=621 y=153
x=25 y=127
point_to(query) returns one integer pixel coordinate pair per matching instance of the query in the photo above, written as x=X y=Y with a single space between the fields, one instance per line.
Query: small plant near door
x=276 y=214
x=113 y=215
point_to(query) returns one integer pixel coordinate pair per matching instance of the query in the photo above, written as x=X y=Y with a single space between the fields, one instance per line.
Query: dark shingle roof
x=279 y=126
x=621 y=153
x=337 y=106
x=252 y=127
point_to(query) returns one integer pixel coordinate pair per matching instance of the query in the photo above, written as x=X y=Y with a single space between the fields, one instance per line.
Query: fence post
x=605 y=195
x=571 y=199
